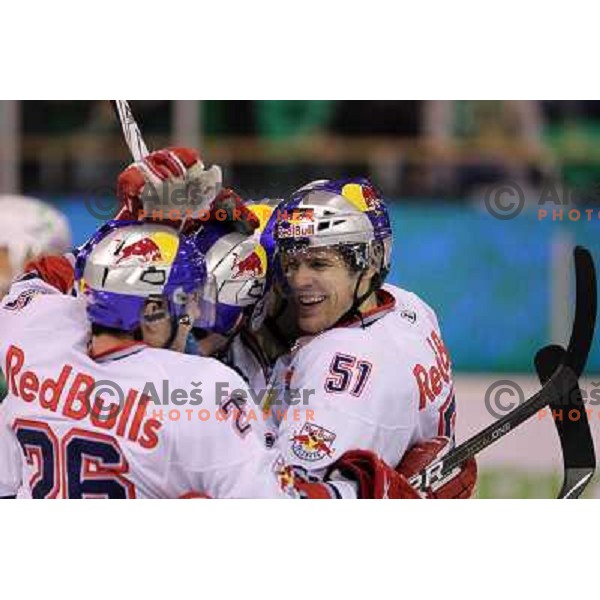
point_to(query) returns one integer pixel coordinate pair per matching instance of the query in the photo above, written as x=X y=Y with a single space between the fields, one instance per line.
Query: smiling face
x=322 y=287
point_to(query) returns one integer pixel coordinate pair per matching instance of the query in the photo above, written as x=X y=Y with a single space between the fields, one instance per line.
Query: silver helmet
x=127 y=263
x=237 y=266
x=348 y=214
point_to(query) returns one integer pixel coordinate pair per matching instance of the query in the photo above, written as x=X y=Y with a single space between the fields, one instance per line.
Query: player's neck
x=105 y=343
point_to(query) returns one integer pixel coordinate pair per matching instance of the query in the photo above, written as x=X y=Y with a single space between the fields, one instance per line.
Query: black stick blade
x=572 y=426
x=585 y=310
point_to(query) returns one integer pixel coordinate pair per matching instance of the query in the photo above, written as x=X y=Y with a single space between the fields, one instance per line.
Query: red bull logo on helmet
x=295 y=223
x=252 y=265
x=362 y=197
x=296 y=216
x=155 y=248
x=144 y=250
x=313 y=442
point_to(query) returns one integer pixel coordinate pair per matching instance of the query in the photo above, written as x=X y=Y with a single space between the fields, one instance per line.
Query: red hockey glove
x=171 y=185
x=167 y=185
x=56 y=271
x=460 y=484
x=229 y=208
x=374 y=478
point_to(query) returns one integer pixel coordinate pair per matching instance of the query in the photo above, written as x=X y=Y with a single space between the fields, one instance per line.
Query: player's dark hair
x=101 y=329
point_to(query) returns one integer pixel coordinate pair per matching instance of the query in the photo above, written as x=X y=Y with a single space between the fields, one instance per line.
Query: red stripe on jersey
x=125 y=349
x=385 y=304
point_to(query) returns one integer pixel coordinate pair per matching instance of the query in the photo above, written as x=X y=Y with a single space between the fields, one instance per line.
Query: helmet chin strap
x=354 y=310
x=357 y=301
x=237 y=326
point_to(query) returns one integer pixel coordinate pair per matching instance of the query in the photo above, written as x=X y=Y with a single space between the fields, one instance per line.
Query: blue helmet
x=127 y=263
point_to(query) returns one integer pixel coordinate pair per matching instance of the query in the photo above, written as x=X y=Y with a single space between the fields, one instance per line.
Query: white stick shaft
x=131 y=131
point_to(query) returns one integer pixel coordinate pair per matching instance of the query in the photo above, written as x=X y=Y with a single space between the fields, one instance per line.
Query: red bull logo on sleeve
x=313 y=442
x=252 y=265
x=23 y=300
x=155 y=248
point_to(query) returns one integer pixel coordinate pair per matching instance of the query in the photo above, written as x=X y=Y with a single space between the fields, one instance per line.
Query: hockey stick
x=133 y=137
x=132 y=134
x=575 y=436
x=131 y=130
x=556 y=391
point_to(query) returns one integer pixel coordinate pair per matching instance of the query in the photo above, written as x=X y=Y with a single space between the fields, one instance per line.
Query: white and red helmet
x=29 y=229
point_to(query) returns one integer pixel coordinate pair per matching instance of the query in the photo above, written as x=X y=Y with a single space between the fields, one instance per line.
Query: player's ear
x=373 y=272
x=155 y=324
x=367 y=276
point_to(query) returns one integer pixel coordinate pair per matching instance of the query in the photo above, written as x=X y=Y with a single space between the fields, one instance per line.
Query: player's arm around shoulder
x=46 y=277
x=39 y=302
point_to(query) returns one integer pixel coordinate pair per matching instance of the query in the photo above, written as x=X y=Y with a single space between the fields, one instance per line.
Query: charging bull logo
x=159 y=247
x=313 y=442
x=145 y=250
x=363 y=197
x=254 y=264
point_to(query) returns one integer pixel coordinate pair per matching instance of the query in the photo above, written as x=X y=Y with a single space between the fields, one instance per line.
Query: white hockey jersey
x=138 y=422
x=383 y=387
x=245 y=356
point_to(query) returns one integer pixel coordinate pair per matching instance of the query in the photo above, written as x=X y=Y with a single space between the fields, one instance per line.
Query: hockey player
x=86 y=443
x=30 y=228
x=237 y=268
x=378 y=374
